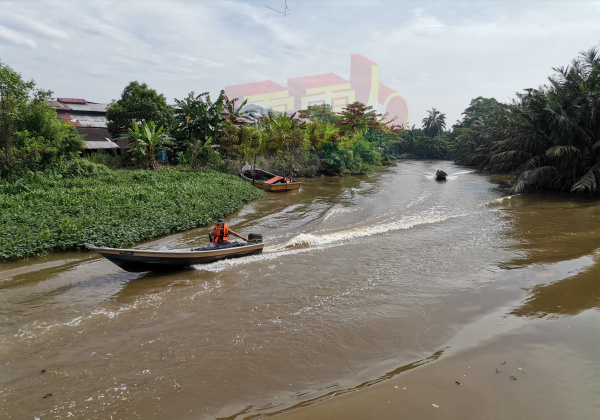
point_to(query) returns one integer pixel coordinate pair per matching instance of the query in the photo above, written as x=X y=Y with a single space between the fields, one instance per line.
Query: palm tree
x=283 y=131
x=434 y=124
x=145 y=141
x=550 y=136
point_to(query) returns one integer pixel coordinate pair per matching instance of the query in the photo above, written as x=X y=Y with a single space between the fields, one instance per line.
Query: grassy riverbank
x=116 y=209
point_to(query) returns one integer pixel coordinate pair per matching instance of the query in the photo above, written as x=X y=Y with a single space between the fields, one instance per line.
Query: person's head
x=220 y=222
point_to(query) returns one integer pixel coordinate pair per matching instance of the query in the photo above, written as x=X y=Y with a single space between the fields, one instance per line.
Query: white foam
x=464 y=172
x=311 y=239
x=337 y=210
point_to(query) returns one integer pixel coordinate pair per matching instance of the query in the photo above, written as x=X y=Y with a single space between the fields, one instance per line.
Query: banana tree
x=198 y=117
x=145 y=141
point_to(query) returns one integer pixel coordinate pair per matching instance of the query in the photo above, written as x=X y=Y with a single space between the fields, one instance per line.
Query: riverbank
x=115 y=209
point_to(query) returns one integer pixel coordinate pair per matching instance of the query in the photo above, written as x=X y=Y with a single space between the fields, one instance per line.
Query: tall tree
x=31 y=137
x=434 y=124
x=358 y=116
x=140 y=103
x=14 y=95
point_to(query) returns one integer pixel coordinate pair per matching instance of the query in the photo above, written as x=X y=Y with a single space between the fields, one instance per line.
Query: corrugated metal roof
x=69 y=119
x=95 y=134
x=122 y=143
x=97 y=107
x=58 y=105
x=96 y=121
x=101 y=145
x=79 y=105
x=72 y=100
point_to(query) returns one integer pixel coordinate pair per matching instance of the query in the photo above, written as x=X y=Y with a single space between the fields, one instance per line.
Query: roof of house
x=101 y=145
x=97 y=138
x=78 y=106
x=95 y=134
x=68 y=118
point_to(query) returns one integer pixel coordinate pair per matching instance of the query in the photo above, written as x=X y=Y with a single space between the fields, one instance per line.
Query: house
x=90 y=120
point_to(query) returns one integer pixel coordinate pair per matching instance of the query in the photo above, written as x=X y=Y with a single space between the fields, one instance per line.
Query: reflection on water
x=557 y=234
x=552 y=228
x=570 y=296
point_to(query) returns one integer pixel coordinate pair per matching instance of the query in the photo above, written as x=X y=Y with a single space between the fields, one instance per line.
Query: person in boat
x=220 y=234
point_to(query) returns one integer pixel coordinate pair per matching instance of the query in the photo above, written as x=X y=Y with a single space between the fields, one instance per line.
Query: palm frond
x=534 y=177
x=589 y=181
x=558 y=152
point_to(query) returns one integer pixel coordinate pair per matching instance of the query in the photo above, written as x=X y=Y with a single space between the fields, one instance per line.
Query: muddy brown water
x=361 y=280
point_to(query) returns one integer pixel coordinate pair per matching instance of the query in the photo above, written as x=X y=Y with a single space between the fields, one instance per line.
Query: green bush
x=81 y=168
x=45 y=212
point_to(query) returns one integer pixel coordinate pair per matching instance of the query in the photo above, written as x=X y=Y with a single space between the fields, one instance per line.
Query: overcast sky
x=436 y=54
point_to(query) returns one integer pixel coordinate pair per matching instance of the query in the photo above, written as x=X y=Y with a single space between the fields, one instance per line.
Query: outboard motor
x=254 y=238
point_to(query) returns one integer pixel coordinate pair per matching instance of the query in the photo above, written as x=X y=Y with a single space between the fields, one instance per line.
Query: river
x=362 y=280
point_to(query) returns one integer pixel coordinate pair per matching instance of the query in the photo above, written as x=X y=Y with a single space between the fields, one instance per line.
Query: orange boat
x=268 y=181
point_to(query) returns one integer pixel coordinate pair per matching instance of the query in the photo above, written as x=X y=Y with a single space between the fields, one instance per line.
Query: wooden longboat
x=139 y=260
x=268 y=181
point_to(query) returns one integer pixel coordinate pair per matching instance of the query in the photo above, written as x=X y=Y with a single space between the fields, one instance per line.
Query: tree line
x=547 y=137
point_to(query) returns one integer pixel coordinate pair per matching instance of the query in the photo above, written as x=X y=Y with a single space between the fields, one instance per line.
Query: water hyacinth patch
x=116 y=209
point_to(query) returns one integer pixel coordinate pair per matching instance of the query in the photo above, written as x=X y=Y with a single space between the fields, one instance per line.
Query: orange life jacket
x=221 y=234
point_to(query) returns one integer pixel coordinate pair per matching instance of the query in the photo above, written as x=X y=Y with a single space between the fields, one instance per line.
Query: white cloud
x=436 y=54
x=15 y=37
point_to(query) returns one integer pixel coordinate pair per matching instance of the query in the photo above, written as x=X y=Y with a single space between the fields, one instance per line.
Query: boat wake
x=327 y=237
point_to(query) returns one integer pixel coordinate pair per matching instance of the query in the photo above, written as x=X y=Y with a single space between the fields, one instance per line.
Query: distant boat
x=268 y=181
x=139 y=260
x=440 y=175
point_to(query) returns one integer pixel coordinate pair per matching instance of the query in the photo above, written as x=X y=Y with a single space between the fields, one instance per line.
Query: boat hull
x=259 y=181
x=139 y=260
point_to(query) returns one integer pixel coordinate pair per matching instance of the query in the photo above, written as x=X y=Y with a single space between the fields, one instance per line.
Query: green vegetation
x=145 y=141
x=139 y=103
x=51 y=198
x=31 y=138
x=47 y=211
x=548 y=137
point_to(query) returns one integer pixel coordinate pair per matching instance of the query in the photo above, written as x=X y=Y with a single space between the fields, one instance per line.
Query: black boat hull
x=139 y=260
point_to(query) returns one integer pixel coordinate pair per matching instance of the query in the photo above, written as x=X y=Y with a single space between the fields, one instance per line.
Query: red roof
x=58 y=105
x=69 y=119
x=72 y=100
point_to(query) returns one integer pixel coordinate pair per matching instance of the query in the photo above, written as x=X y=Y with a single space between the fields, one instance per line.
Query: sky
x=438 y=54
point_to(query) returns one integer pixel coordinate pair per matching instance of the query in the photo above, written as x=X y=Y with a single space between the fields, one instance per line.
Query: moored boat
x=139 y=260
x=268 y=181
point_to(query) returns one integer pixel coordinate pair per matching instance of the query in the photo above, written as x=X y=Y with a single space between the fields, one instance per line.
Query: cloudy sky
x=436 y=54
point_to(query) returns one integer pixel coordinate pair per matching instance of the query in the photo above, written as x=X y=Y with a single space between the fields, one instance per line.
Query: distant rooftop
x=78 y=105
x=71 y=100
